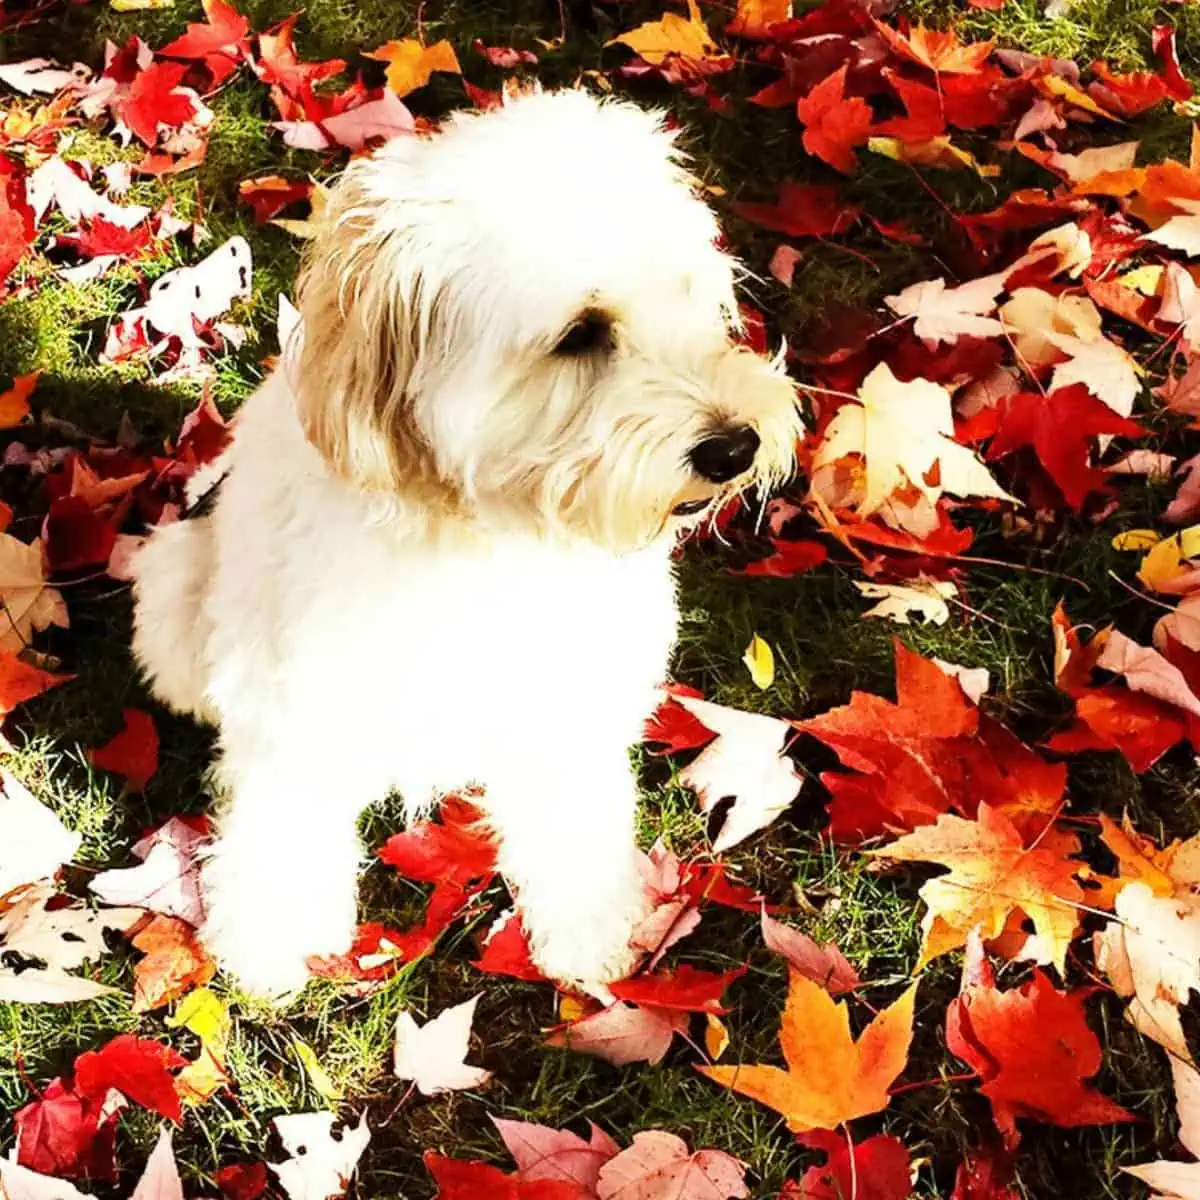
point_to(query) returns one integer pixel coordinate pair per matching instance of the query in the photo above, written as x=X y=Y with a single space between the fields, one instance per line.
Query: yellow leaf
x=1136 y=539
x=1145 y=279
x=206 y=1015
x=570 y=1009
x=760 y=662
x=124 y=6
x=1167 y=559
x=14 y=404
x=1058 y=87
x=309 y=226
x=686 y=36
x=410 y=64
x=323 y=1085
x=716 y=1037
x=936 y=152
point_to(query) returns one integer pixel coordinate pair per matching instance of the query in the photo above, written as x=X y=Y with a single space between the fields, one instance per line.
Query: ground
x=823 y=646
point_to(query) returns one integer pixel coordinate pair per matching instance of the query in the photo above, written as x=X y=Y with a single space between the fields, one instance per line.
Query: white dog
x=439 y=551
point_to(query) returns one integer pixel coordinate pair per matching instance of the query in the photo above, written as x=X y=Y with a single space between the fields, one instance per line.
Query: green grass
x=823 y=647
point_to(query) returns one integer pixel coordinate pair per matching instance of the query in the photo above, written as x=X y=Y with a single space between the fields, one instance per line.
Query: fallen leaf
x=431 y=1055
x=904 y=433
x=14 y=403
x=993 y=873
x=375 y=120
x=36 y=842
x=168 y=881
x=136 y=1067
x=746 y=762
x=830 y=1077
x=132 y=753
x=411 y=64
x=803 y=210
x=621 y=1034
x=687 y=37
x=1032 y=1048
x=942 y=314
x=174 y=963
x=1106 y=370
x=941 y=52
x=824 y=965
x=457 y=850
x=160 y=1180
x=658 y=1166
x=926 y=597
x=556 y=1155
x=321 y=1165
x=269 y=195
x=877 y=1169
x=833 y=124
x=760 y=662
x=754 y=18
x=682 y=989
x=20 y=1183
x=1178 y=1180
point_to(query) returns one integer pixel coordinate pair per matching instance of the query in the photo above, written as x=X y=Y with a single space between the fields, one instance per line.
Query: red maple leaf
x=133 y=752
x=685 y=989
x=21 y=681
x=17 y=227
x=1031 y=1047
x=99 y=237
x=457 y=1179
x=67 y=1135
x=242 y=1181
x=1162 y=38
x=1060 y=427
x=506 y=952
x=153 y=101
x=1130 y=94
x=985 y=1177
x=279 y=65
x=789 y=559
x=1137 y=726
x=220 y=42
x=269 y=195
x=834 y=125
x=924 y=107
x=77 y=537
x=674 y=727
x=876 y=1169
x=138 y=1068
x=897 y=748
x=457 y=851
x=803 y=210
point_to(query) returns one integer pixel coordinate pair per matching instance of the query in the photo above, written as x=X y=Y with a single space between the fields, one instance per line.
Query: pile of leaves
x=1014 y=401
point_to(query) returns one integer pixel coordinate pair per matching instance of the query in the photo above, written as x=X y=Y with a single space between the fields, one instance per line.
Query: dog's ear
x=367 y=315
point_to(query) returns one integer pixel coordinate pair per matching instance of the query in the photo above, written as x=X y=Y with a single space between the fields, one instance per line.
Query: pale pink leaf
x=168 y=881
x=621 y=1034
x=943 y=314
x=160 y=1180
x=1146 y=670
x=825 y=965
x=556 y=1154
x=380 y=119
x=658 y=1166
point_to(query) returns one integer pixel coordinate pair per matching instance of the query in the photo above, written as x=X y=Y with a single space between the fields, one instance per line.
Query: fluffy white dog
x=440 y=549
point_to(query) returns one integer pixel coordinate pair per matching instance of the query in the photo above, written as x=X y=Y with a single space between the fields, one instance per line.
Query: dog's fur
x=440 y=552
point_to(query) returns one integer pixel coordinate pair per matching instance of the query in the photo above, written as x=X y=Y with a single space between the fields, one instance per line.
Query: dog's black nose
x=725 y=455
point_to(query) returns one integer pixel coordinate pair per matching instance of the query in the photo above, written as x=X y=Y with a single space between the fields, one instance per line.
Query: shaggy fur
x=440 y=553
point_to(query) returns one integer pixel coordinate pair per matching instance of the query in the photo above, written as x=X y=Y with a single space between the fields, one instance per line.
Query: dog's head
x=529 y=314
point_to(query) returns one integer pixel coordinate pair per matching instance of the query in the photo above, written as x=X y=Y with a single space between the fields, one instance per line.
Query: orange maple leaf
x=937 y=50
x=410 y=64
x=14 y=403
x=833 y=124
x=754 y=18
x=175 y=963
x=993 y=873
x=830 y=1078
x=687 y=37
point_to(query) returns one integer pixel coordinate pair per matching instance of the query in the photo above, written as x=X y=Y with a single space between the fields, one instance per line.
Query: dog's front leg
x=566 y=828
x=280 y=881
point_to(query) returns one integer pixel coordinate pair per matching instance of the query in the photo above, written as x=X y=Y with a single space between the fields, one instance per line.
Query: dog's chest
x=522 y=641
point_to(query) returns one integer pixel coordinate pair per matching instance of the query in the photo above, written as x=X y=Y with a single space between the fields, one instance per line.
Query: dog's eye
x=590 y=332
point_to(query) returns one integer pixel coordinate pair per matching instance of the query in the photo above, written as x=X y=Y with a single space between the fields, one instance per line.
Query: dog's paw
x=590 y=950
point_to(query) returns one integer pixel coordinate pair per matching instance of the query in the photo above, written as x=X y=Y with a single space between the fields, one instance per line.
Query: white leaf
x=35 y=842
x=55 y=182
x=746 y=762
x=36 y=985
x=321 y=1165
x=927 y=597
x=167 y=882
x=40 y=76
x=1106 y=370
x=432 y=1055
x=1180 y=233
x=63 y=938
x=19 y=1183
x=944 y=314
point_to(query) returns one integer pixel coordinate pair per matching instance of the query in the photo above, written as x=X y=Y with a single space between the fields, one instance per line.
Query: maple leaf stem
x=1139 y=593
x=964 y=1077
